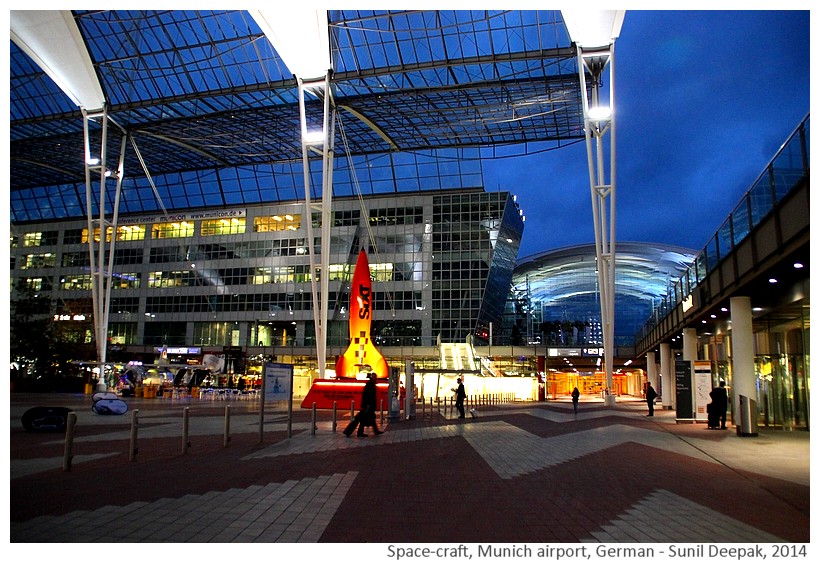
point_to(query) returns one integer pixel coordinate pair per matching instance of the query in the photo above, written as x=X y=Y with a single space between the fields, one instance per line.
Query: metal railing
x=788 y=167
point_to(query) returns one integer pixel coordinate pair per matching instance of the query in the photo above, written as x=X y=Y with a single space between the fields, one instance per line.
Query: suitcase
x=712 y=417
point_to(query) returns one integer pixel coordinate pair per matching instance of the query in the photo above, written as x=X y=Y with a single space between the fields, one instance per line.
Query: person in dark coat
x=651 y=395
x=460 y=396
x=367 y=414
x=576 y=395
x=720 y=402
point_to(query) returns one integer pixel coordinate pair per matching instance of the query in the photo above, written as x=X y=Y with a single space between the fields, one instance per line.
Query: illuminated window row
x=273 y=223
x=397 y=216
x=82 y=282
x=44 y=238
x=47 y=260
x=268 y=303
x=37 y=284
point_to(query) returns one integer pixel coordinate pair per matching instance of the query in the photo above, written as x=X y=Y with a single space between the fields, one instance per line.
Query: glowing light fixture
x=314 y=137
x=600 y=113
x=593 y=28
x=53 y=41
x=300 y=37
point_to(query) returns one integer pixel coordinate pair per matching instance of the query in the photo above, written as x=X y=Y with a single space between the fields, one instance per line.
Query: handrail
x=785 y=171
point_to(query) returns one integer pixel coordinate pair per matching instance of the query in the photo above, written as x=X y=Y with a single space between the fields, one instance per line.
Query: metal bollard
x=132 y=451
x=185 y=443
x=334 y=416
x=313 y=421
x=352 y=408
x=227 y=435
x=68 y=452
x=381 y=412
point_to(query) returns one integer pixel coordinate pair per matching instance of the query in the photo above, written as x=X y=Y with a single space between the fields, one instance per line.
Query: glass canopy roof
x=643 y=270
x=211 y=111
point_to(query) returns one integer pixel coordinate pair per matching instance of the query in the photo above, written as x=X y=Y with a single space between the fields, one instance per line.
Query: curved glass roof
x=562 y=285
x=211 y=110
x=642 y=270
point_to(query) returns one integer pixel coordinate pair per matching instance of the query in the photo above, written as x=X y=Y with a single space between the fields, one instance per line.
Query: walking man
x=460 y=396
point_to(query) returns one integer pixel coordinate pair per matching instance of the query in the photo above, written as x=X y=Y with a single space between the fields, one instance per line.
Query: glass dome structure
x=561 y=293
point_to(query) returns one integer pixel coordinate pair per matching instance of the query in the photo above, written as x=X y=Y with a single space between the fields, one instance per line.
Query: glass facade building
x=239 y=277
x=559 y=292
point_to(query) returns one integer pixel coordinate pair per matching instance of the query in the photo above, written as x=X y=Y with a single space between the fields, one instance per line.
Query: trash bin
x=748 y=417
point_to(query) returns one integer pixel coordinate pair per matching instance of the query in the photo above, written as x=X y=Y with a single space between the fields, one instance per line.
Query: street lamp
x=594 y=34
x=302 y=41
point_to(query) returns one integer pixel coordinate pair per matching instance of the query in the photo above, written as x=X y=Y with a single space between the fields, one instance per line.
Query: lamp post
x=303 y=42
x=594 y=34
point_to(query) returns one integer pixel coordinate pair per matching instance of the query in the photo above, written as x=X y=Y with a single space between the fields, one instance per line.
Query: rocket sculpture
x=361 y=355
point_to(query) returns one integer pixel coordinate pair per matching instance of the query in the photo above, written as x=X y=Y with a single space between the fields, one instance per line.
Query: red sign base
x=324 y=392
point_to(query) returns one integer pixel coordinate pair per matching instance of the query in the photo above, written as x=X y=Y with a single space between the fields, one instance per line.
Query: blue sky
x=704 y=99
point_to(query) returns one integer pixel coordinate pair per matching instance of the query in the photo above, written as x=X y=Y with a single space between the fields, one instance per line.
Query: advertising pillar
x=683 y=391
x=703 y=385
x=277 y=385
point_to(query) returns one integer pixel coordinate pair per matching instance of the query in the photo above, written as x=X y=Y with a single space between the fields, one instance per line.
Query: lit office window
x=122 y=333
x=172 y=230
x=40 y=238
x=211 y=227
x=37 y=284
x=285 y=222
x=47 y=260
x=340 y=272
x=131 y=232
x=177 y=278
x=128 y=280
x=75 y=283
x=381 y=272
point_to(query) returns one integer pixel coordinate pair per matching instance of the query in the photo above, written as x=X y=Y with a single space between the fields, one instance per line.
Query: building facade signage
x=190 y=350
x=184 y=216
x=683 y=388
x=703 y=385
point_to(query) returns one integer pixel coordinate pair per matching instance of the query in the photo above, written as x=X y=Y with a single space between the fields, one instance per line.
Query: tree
x=30 y=330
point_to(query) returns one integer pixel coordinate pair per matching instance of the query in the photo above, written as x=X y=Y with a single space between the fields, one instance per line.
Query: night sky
x=704 y=99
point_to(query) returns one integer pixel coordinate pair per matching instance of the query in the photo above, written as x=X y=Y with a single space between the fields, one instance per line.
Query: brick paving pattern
x=522 y=472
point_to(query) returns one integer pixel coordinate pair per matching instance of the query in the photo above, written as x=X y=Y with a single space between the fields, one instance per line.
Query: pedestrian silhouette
x=717 y=408
x=367 y=415
x=460 y=396
x=651 y=395
x=575 y=396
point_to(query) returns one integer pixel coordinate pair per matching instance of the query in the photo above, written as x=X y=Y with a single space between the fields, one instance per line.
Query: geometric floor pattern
x=300 y=510
x=294 y=511
x=664 y=517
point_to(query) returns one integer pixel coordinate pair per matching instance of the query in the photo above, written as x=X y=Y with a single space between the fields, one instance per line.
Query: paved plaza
x=516 y=473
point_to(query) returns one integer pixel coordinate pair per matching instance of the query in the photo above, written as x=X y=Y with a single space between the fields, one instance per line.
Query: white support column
x=690 y=344
x=599 y=122
x=651 y=370
x=743 y=353
x=101 y=259
x=667 y=376
x=319 y=142
x=594 y=32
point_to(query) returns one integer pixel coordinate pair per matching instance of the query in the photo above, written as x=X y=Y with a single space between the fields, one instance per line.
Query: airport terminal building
x=195 y=161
